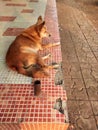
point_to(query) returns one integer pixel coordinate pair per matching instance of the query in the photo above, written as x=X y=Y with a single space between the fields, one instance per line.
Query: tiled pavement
x=19 y=108
x=79 y=41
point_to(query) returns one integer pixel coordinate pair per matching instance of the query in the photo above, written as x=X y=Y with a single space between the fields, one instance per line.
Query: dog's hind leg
x=40 y=73
x=41 y=62
x=53 y=66
x=21 y=70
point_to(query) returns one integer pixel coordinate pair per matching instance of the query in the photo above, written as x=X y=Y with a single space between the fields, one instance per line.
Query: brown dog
x=22 y=55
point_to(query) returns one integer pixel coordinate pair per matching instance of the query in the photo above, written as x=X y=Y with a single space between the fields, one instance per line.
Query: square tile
x=13 y=31
x=33 y=0
x=7 y=0
x=15 y=4
x=7 y=18
x=27 y=11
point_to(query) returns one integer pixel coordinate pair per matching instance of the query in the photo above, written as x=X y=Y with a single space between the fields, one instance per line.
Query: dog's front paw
x=57 y=43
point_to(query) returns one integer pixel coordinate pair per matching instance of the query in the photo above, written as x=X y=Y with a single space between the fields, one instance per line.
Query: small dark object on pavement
x=37 y=88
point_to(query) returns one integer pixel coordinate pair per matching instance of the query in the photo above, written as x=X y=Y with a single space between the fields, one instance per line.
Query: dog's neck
x=34 y=39
x=31 y=37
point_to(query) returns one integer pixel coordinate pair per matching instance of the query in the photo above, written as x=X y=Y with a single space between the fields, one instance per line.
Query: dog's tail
x=34 y=71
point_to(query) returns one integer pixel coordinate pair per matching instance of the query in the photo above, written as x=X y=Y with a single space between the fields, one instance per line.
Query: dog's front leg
x=50 y=45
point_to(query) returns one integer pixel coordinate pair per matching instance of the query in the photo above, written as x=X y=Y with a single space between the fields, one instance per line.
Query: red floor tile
x=33 y=107
x=13 y=31
x=27 y=11
x=13 y=4
x=7 y=18
x=33 y=0
x=7 y=0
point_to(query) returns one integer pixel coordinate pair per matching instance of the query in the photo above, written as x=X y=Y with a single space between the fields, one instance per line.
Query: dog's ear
x=39 y=20
x=40 y=26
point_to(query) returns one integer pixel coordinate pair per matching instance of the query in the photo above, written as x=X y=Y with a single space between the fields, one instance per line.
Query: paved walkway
x=79 y=40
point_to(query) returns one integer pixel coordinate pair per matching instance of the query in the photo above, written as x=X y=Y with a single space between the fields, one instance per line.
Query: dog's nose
x=49 y=35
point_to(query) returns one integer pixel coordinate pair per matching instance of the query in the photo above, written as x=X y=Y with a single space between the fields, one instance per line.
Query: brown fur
x=22 y=55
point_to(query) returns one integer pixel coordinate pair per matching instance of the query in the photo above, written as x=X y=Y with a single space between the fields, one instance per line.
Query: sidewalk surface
x=78 y=23
x=19 y=108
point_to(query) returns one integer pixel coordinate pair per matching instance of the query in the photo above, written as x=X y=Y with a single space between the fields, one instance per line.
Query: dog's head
x=41 y=28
